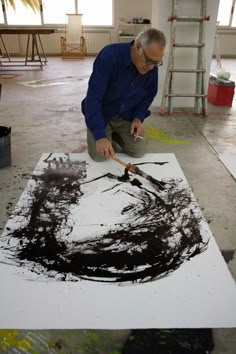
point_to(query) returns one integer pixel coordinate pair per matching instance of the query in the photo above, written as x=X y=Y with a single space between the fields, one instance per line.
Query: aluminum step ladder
x=200 y=105
x=217 y=46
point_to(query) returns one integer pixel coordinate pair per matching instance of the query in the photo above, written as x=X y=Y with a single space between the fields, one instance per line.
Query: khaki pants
x=118 y=131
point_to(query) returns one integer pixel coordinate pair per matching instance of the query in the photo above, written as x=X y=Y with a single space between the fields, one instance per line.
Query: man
x=122 y=86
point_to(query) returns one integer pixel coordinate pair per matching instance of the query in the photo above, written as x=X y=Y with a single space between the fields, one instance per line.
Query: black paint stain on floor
x=162 y=231
x=228 y=255
x=169 y=341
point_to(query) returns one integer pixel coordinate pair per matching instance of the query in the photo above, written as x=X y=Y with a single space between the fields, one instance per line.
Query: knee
x=137 y=149
x=138 y=153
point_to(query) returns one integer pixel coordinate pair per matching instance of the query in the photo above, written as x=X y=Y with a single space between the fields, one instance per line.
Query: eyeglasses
x=150 y=61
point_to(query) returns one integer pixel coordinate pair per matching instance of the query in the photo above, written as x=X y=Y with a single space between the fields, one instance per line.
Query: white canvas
x=229 y=160
x=97 y=270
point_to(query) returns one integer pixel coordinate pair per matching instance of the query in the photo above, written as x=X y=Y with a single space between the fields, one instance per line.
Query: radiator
x=95 y=41
x=52 y=43
x=227 y=43
x=11 y=42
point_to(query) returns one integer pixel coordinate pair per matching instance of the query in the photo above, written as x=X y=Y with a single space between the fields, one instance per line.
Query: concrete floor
x=46 y=119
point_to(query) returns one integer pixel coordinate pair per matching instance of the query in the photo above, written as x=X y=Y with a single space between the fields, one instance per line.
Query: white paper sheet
x=229 y=160
x=37 y=294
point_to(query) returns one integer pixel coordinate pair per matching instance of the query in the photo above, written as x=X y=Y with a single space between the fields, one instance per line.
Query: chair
x=73 y=44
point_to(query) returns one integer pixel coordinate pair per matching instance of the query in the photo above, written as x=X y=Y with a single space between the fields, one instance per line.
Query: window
x=53 y=12
x=1 y=15
x=21 y=15
x=50 y=16
x=96 y=13
x=227 y=13
x=234 y=18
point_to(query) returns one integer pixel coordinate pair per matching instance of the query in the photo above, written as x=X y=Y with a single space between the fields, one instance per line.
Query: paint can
x=5 y=146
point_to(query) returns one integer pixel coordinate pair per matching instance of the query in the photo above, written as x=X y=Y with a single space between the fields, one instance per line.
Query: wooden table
x=37 y=57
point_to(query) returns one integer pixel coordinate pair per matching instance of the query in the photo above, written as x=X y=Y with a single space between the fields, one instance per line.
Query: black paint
x=4 y=131
x=169 y=341
x=153 y=163
x=5 y=146
x=162 y=230
x=228 y=255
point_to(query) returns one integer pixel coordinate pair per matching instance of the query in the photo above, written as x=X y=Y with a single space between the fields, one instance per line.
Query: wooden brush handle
x=129 y=166
x=115 y=158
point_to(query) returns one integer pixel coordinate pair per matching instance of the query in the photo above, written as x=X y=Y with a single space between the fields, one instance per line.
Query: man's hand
x=136 y=128
x=104 y=148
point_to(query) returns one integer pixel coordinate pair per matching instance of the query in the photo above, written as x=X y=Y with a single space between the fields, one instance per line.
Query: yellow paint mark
x=8 y=339
x=154 y=133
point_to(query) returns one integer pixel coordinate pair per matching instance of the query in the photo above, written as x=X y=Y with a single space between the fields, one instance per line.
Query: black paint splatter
x=162 y=228
x=228 y=255
x=174 y=341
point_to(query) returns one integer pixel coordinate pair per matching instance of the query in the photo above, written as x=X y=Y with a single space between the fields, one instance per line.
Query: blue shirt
x=116 y=89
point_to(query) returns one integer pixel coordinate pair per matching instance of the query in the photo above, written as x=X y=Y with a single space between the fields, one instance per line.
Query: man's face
x=146 y=59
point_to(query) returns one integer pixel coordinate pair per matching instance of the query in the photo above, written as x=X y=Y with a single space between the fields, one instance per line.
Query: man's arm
x=94 y=118
x=97 y=86
x=141 y=108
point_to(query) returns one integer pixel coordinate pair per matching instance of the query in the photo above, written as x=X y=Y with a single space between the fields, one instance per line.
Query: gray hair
x=149 y=36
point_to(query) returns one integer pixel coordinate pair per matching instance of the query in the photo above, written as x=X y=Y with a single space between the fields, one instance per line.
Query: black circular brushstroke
x=162 y=229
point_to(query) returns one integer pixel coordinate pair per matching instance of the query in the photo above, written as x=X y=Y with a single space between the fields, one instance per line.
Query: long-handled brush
x=134 y=169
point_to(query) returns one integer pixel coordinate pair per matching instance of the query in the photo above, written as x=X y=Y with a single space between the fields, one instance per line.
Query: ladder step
x=188 y=45
x=189 y=19
x=198 y=94
x=184 y=95
x=188 y=70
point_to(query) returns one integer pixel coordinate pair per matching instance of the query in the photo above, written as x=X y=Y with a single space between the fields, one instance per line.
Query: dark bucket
x=5 y=146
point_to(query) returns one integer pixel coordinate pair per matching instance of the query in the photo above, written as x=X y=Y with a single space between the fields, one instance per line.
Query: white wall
x=129 y=9
x=186 y=32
